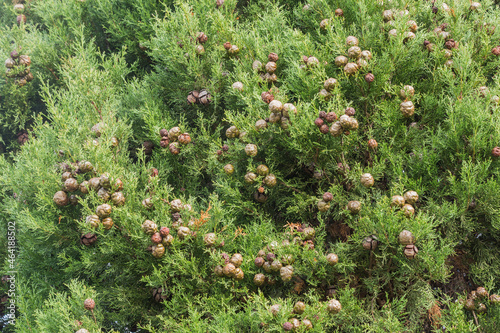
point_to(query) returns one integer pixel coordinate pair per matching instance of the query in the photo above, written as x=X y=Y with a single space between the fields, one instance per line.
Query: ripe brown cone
x=88 y=239
x=89 y=304
x=159 y=294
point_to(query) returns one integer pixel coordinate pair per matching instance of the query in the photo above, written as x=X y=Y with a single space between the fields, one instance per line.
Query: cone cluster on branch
x=174 y=139
x=161 y=237
x=18 y=67
x=273 y=265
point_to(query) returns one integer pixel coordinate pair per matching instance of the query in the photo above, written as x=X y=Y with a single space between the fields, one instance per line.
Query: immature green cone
x=238 y=86
x=238 y=274
x=218 y=270
x=105 y=180
x=470 y=305
x=336 y=129
x=260 y=124
x=103 y=210
x=19 y=8
x=330 y=84
x=158 y=250
x=229 y=270
x=481 y=308
x=295 y=323
x=341 y=61
x=24 y=60
x=495 y=299
x=286 y=273
x=351 y=68
x=354 y=207
x=351 y=41
x=397 y=201
x=95 y=183
x=354 y=52
x=366 y=55
x=97 y=129
x=262 y=170
x=250 y=178
x=147 y=203
x=275 y=106
x=276 y=265
x=287 y=259
x=299 y=307
x=267 y=267
x=289 y=108
x=229 y=169
x=323 y=206
x=10 y=63
x=270 y=180
x=312 y=62
x=107 y=223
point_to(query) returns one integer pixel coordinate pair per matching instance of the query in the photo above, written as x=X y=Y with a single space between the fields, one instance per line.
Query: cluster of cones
x=231 y=267
x=106 y=188
x=267 y=72
x=18 y=67
x=272 y=264
x=173 y=138
x=161 y=237
x=199 y=97
x=477 y=298
x=354 y=53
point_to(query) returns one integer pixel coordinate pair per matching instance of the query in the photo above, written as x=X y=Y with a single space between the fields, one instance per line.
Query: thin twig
x=371 y=264
x=97 y=109
x=53 y=73
x=248 y=210
x=477 y=323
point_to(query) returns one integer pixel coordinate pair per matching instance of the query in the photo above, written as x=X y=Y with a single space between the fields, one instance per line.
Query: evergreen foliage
x=110 y=75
